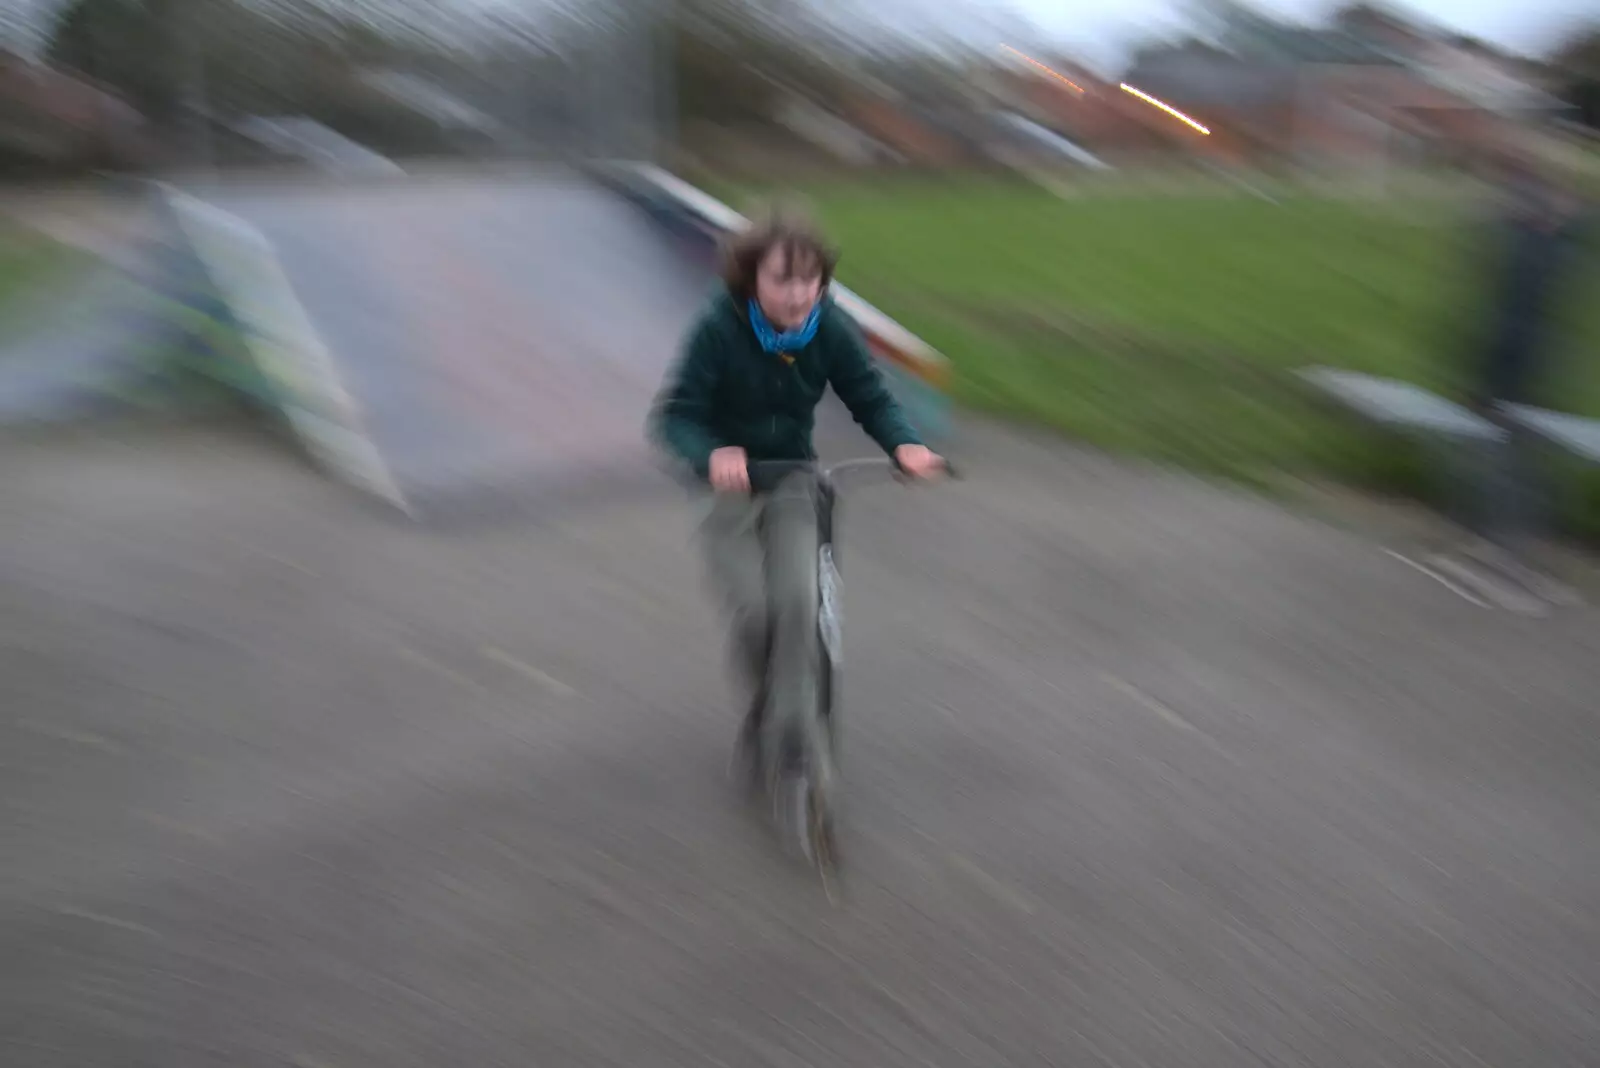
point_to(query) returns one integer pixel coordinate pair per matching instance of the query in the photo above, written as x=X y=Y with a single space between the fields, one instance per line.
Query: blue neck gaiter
x=779 y=342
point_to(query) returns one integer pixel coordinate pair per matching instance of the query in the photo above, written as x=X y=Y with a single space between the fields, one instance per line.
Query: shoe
x=746 y=767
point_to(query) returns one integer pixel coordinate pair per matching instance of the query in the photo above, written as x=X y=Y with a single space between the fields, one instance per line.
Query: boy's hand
x=919 y=461
x=730 y=470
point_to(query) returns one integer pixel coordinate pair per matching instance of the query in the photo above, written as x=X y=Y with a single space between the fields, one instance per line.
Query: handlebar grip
x=950 y=470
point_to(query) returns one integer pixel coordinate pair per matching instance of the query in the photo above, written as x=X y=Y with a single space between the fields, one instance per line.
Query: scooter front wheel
x=823 y=849
x=806 y=824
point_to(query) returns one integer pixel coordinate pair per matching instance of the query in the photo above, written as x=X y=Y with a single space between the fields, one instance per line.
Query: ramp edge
x=888 y=339
x=242 y=265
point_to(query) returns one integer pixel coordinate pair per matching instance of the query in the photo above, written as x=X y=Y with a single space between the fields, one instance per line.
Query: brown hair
x=783 y=227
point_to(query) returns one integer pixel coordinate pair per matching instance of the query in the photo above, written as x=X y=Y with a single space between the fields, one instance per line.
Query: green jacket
x=727 y=390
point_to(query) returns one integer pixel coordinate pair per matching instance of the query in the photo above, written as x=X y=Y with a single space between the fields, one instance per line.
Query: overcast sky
x=1102 y=30
x=1105 y=28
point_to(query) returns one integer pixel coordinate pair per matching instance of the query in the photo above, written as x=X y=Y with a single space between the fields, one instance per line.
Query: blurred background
x=1177 y=194
x=119 y=84
x=1236 y=708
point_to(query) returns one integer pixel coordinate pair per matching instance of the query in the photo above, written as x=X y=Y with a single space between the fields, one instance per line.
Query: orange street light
x=1057 y=75
x=1168 y=108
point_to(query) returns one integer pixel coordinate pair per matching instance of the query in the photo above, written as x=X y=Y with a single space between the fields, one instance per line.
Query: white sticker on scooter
x=828 y=581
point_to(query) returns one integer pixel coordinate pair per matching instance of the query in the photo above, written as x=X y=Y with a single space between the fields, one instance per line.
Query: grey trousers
x=761 y=556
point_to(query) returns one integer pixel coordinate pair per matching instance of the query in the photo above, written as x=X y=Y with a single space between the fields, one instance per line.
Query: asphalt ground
x=1139 y=772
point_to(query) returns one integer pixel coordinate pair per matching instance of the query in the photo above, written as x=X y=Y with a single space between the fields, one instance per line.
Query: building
x=1359 y=95
x=1097 y=115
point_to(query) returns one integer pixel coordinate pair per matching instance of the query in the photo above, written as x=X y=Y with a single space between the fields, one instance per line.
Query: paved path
x=1142 y=773
x=479 y=324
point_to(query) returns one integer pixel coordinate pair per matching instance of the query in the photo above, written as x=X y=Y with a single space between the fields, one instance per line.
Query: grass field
x=1168 y=325
x=28 y=260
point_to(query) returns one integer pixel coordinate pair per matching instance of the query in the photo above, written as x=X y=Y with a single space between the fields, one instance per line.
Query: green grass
x=1168 y=325
x=28 y=262
x=201 y=372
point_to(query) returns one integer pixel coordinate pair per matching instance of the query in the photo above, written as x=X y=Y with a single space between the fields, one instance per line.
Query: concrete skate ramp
x=492 y=337
x=459 y=343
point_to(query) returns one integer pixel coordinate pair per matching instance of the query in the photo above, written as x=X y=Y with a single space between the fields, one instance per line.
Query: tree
x=115 y=42
x=731 y=59
x=1576 y=63
x=174 y=59
x=1579 y=53
x=1366 y=19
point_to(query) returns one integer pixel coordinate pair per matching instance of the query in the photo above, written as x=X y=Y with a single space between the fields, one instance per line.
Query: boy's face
x=788 y=286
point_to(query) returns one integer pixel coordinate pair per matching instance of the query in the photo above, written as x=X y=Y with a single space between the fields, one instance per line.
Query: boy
x=753 y=369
